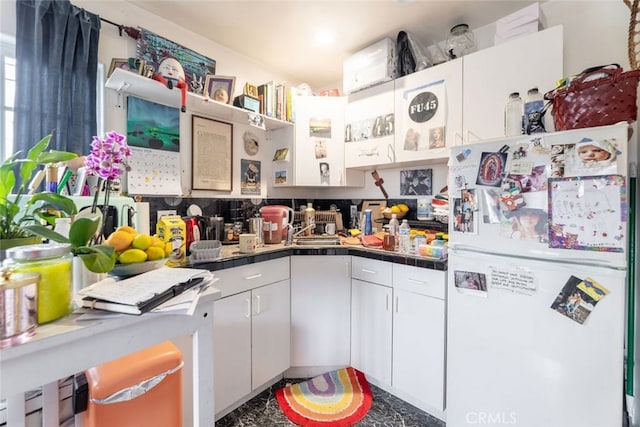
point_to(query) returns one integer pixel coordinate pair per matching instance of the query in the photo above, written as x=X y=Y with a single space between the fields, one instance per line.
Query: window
x=7 y=95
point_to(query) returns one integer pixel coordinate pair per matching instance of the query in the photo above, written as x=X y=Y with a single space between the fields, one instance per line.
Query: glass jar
x=54 y=263
x=460 y=42
x=18 y=306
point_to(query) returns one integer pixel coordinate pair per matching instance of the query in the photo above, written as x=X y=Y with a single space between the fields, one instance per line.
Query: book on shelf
x=144 y=292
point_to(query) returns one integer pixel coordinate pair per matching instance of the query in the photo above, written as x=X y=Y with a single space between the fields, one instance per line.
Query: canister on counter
x=54 y=263
x=18 y=306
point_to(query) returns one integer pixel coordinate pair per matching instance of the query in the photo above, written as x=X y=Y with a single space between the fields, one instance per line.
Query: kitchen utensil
x=215 y=228
x=256 y=224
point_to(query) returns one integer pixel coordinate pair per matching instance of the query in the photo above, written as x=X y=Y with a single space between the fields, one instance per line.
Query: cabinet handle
x=397 y=299
x=346 y=269
x=255 y=276
x=386 y=302
x=248 y=308
x=364 y=270
x=257 y=304
x=419 y=282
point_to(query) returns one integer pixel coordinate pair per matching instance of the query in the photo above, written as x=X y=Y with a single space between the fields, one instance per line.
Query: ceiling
x=280 y=34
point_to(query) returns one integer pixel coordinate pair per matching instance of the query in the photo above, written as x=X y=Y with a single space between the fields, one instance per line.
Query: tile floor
x=386 y=410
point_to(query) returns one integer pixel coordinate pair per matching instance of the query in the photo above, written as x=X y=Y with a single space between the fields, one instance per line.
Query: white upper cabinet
x=428 y=113
x=315 y=155
x=490 y=75
x=370 y=127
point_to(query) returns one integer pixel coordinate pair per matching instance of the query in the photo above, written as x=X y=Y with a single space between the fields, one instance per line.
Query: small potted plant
x=20 y=219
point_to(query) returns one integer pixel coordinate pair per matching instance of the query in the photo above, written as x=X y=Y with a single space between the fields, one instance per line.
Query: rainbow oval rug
x=339 y=399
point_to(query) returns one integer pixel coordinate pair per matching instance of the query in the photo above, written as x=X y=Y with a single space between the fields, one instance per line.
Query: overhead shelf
x=130 y=83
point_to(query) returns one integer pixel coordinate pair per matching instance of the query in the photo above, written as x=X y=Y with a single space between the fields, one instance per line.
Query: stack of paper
x=163 y=289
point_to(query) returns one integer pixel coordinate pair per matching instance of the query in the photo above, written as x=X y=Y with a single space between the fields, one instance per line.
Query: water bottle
x=405 y=237
x=513 y=115
x=368 y=226
x=533 y=117
x=394 y=229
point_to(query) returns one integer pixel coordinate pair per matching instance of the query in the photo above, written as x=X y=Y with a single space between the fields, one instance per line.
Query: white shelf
x=134 y=84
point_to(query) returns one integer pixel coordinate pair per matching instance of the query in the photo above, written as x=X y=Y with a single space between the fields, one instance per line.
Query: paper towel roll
x=142 y=217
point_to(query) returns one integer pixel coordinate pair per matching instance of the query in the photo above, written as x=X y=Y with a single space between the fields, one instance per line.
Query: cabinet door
x=428 y=112
x=371 y=321
x=319 y=142
x=490 y=75
x=370 y=127
x=418 y=347
x=270 y=333
x=320 y=310
x=232 y=349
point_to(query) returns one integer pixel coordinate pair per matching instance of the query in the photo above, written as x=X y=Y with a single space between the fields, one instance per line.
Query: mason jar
x=460 y=42
x=54 y=263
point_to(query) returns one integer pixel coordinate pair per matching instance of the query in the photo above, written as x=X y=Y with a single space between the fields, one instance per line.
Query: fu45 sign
x=423 y=107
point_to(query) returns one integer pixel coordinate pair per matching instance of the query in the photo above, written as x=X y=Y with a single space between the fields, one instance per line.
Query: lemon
x=154 y=253
x=132 y=255
x=141 y=241
x=168 y=248
x=128 y=229
x=403 y=207
x=395 y=209
x=120 y=240
x=155 y=241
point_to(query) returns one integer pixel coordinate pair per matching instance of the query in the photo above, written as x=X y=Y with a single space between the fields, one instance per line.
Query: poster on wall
x=154 y=48
x=250 y=177
x=423 y=120
x=153 y=133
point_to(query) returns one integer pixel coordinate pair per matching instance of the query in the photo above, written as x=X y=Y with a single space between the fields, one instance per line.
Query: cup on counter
x=248 y=243
x=330 y=228
x=389 y=242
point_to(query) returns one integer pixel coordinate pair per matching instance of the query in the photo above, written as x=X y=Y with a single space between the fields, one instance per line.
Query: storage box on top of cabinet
x=372 y=65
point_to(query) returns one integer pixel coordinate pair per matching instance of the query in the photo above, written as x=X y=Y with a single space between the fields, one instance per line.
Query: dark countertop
x=231 y=257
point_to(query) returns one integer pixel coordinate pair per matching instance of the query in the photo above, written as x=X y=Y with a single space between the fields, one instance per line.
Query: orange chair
x=138 y=390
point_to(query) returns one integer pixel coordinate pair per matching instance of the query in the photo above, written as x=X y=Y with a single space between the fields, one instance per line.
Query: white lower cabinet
x=320 y=310
x=419 y=336
x=251 y=329
x=398 y=330
x=371 y=318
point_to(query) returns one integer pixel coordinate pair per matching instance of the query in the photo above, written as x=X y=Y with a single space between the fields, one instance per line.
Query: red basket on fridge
x=599 y=96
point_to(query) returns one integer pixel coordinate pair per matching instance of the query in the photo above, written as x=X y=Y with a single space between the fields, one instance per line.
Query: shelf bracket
x=120 y=94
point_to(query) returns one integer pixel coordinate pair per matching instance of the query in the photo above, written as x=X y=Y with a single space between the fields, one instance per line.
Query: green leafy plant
x=18 y=219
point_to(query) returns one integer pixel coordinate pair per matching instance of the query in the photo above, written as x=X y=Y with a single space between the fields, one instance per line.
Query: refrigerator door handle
x=544 y=257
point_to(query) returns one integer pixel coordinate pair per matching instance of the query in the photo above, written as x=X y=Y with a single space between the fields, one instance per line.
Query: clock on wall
x=251 y=143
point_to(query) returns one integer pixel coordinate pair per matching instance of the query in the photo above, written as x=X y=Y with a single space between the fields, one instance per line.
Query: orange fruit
x=120 y=240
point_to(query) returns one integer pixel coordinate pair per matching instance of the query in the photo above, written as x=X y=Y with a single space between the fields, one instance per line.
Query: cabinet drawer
x=371 y=270
x=420 y=280
x=239 y=279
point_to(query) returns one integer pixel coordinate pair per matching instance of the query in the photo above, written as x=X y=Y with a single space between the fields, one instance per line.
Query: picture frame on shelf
x=122 y=63
x=211 y=172
x=137 y=65
x=220 y=88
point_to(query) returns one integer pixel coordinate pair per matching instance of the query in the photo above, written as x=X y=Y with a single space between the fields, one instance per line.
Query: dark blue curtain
x=56 y=68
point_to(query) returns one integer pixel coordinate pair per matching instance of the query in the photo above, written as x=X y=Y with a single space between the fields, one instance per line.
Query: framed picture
x=220 y=88
x=122 y=63
x=212 y=156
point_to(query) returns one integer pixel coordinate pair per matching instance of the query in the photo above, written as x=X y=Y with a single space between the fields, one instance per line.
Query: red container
x=276 y=219
x=159 y=406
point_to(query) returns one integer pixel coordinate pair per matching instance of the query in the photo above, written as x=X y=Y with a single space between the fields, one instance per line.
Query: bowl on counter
x=137 y=267
x=388 y=214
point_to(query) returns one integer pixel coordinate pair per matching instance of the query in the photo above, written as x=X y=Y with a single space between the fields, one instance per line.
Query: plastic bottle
x=513 y=115
x=368 y=225
x=309 y=219
x=405 y=237
x=394 y=229
x=533 y=117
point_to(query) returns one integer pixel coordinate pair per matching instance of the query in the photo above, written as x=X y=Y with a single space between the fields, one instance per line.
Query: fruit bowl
x=388 y=214
x=137 y=267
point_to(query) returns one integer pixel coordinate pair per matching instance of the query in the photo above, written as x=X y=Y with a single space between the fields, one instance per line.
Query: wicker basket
x=599 y=96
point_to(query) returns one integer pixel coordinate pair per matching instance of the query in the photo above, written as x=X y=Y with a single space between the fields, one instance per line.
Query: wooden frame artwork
x=119 y=63
x=220 y=88
x=212 y=154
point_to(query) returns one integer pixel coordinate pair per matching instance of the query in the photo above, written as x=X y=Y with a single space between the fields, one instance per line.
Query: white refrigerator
x=538 y=245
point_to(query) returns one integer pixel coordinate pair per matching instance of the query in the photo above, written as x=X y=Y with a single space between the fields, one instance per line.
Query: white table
x=68 y=346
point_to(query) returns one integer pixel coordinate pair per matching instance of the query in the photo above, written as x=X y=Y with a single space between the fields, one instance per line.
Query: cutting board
x=376 y=206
